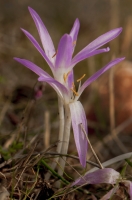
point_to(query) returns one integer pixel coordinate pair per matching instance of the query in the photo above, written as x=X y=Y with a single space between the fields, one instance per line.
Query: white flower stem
x=61 y=133
x=66 y=137
x=61 y=125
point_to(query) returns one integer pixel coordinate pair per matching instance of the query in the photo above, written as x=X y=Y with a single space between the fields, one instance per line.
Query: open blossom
x=61 y=63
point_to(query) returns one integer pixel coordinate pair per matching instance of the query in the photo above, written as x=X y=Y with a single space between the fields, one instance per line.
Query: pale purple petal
x=78 y=117
x=128 y=184
x=33 y=67
x=110 y=193
x=70 y=79
x=44 y=76
x=130 y=190
x=44 y=35
x=106 y=175
x=100 y=41
x=36 y=44
x=74 y=32
x=99 y=73
x=86 y=54
x=58 y=87
x=64 y=52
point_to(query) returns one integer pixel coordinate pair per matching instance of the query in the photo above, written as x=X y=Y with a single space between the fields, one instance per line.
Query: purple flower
x=106 y=175
x=61 y=64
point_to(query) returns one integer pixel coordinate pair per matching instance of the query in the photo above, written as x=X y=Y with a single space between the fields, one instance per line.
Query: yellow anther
x=55 y=54
x=81 y=78
x=74 y=42
x=74 y=92
x=65 y=76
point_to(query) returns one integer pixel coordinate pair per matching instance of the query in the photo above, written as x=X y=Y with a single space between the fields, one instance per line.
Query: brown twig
x=47 y=129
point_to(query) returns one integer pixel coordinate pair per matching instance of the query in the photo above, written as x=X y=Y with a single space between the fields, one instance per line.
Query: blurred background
x=108 y=101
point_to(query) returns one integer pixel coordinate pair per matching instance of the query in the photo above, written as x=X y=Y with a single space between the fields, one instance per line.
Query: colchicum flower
x=61 y=64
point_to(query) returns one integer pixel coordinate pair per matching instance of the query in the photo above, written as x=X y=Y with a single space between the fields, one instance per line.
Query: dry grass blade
x=112 y=113
x=47 y=129
x=10 y=140
x=24 y=164
x=33 y=186
x=4 y=110
x=4 y=194
x=116 y=131
x=71 y=156
x=114 y=160
x=95 y=155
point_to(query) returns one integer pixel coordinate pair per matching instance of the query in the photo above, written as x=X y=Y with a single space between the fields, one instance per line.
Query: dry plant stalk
x=127 y=39
x=4 y=110
x=115 y=45
x=95 y=155
x=116 y=131
x=91 y=97
x=4 y=194
x=111 y=93
x=47 y=129
x=114 y=22
x=112 y=113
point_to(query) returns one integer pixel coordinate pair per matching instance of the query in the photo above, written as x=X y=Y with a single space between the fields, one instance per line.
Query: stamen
x=55 y=54
x=74 y=42
x=74 y=92
x=81 y=78
x=73 y=85
x=65 y=76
